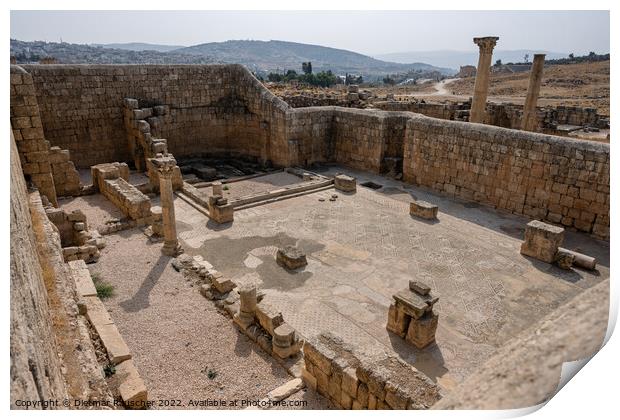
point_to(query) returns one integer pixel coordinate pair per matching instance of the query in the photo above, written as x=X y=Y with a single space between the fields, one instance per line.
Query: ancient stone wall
x=375 y=383
x=28 y=132
x=559 y=180
x=35 y=364
x=52 y=356
x=547 y=118
x=504 y=114
x=66 y=177
x=443 y=111
x=358 y=138
x=303 y=101
x=309 y=134
x=563 y=181
x=394 y=134
x=224 y=109
x=218 y=108
x=111 y=179
x=264 y=129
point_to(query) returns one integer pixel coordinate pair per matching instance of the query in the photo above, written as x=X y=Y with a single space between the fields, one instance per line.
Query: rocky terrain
x=583 y=85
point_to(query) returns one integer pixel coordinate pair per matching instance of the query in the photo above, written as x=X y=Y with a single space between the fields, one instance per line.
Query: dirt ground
x=583 y=85
x=182 y=346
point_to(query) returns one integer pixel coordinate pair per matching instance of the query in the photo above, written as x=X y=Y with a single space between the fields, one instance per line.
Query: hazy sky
x=367 y=32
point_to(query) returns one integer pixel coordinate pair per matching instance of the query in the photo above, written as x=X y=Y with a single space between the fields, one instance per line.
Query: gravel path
x=440 y=89
x=178 y=339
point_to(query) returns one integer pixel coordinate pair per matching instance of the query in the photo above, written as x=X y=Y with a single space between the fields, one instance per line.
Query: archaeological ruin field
x=183 y=237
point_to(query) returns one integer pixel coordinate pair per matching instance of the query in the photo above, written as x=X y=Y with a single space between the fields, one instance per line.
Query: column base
x=172 y=249
x=243 y=320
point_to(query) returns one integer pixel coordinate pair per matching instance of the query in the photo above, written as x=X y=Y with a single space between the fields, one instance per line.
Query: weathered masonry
x=554 y=120
x=223 y=109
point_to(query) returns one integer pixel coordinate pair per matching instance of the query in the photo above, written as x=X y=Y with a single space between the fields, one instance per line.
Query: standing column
x=528 y=121
x=165 y=167
x=481 y=87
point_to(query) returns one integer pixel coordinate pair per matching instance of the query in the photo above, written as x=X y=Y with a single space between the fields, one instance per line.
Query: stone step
x=83 y=281
x=132 y=388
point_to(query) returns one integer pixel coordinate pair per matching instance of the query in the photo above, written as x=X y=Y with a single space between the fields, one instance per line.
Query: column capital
x=486 y=44
x=164 y=163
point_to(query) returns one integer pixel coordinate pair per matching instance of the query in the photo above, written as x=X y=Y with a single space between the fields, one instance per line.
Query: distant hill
x=65 y=53
x=455 y=59
x=140 y=46
x=259 y=56
x=268 y=56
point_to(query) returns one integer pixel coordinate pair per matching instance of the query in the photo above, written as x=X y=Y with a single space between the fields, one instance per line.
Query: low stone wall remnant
x=349 y=382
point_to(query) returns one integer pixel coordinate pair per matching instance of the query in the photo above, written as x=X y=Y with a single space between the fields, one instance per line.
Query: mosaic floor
x=364 y=247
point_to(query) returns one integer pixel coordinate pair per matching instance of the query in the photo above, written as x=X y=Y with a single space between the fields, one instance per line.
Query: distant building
x=466 y=71
x=48 y=60
x=511 y=68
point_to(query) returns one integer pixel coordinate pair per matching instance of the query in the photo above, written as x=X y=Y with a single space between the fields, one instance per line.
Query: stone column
x=481 y=87
x=165 y=167
x=247 y=305
x=528 y=121
x=218 y=189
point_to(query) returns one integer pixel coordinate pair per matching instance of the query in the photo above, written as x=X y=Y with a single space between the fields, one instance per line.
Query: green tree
x=326 y=79
x=290 y=75
x=389 y=81
x=274 y=77
x=307 y=67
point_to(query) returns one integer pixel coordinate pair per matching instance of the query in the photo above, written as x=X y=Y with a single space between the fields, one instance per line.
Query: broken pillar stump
x=157 y=224
x=247 y=306
x=218 y=189
x=581 y=260
x=564 y=259
x=411 y=316
x=423 y=209
x=291 y=257
x=219 y=209
x=345 y=183
x=542 y=241
x=284 y=341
